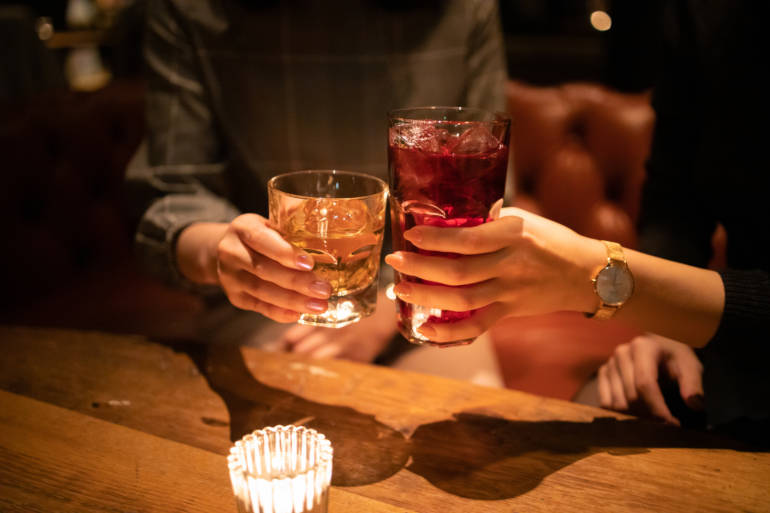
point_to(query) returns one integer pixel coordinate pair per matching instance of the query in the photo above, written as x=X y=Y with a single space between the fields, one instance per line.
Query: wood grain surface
x=53 y=459
x=406 y=440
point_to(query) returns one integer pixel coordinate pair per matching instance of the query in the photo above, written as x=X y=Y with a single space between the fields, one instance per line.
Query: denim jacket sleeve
x=178 y=175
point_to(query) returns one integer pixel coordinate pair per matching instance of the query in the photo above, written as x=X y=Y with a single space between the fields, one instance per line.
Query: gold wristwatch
x=613 y=283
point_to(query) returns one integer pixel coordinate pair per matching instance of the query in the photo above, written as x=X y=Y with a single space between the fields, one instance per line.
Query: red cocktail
x=447 y=168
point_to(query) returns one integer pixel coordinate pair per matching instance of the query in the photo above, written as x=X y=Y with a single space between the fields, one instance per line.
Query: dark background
x=547 y=42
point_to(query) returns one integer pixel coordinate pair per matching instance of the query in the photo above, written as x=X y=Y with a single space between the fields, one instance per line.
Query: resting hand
x=631 y=376
x=361 y=341
x=257 y=269
x=520 y=264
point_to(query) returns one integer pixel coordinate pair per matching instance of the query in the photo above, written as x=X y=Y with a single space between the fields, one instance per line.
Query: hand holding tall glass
x=338 y=218
x=447 y=169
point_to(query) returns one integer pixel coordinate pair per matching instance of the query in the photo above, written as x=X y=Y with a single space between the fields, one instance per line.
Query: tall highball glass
x=447 y=168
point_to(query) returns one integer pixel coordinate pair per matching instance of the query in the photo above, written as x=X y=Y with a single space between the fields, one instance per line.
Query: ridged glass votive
x=281 y=469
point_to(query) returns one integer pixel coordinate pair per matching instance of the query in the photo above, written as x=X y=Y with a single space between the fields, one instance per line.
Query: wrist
x=591 y=256
x=196 y=252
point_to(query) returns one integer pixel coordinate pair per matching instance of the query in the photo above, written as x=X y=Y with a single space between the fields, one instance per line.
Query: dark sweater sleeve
x=735 y=376
x=746 y=317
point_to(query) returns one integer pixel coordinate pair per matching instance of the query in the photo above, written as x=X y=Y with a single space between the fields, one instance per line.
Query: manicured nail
x=321 y=287
x=414 y=235
x=305 y=262
x=696 y=402
x=427 y=331
x=317 y=305
x=444 y=345
x=403 y=290
x=394 y=260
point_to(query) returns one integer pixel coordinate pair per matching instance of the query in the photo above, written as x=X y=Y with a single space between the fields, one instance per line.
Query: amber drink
x=338 y=218
x=448 y=169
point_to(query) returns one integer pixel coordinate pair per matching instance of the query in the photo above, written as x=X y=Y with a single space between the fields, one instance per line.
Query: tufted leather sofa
x=578 y=152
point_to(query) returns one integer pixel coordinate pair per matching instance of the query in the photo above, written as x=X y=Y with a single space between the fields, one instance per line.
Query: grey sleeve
x=486 y=58
x=178 y=176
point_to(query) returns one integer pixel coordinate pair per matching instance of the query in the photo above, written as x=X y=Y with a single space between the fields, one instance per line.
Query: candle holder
x=281 y=469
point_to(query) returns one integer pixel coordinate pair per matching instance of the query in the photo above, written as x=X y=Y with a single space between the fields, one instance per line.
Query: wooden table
x=95 y=422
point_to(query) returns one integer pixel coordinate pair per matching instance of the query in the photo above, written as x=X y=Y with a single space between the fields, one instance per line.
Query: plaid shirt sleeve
x=178 y=175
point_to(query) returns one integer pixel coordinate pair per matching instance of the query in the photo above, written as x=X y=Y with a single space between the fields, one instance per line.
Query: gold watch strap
x=604 y=312
x=614 y=254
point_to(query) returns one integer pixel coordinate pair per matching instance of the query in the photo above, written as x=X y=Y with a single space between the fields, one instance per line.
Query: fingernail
x=427 y=331
x=444 y=345
x=403 y=290
x=317 y=305
x=413 y=235
x=696 y=402
x=394 y=260
x=305 y=262
x=321 y=287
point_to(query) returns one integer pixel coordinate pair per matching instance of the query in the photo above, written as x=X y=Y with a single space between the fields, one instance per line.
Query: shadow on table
x=365 y=451
x=482 y=457
x=473 y=455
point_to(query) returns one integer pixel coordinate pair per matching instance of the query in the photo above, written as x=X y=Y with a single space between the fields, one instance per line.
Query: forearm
x=196 y=251
x=523 y=264
x=675 y=300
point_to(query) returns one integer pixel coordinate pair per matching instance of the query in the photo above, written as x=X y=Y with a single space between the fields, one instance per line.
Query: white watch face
x=614 y=284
